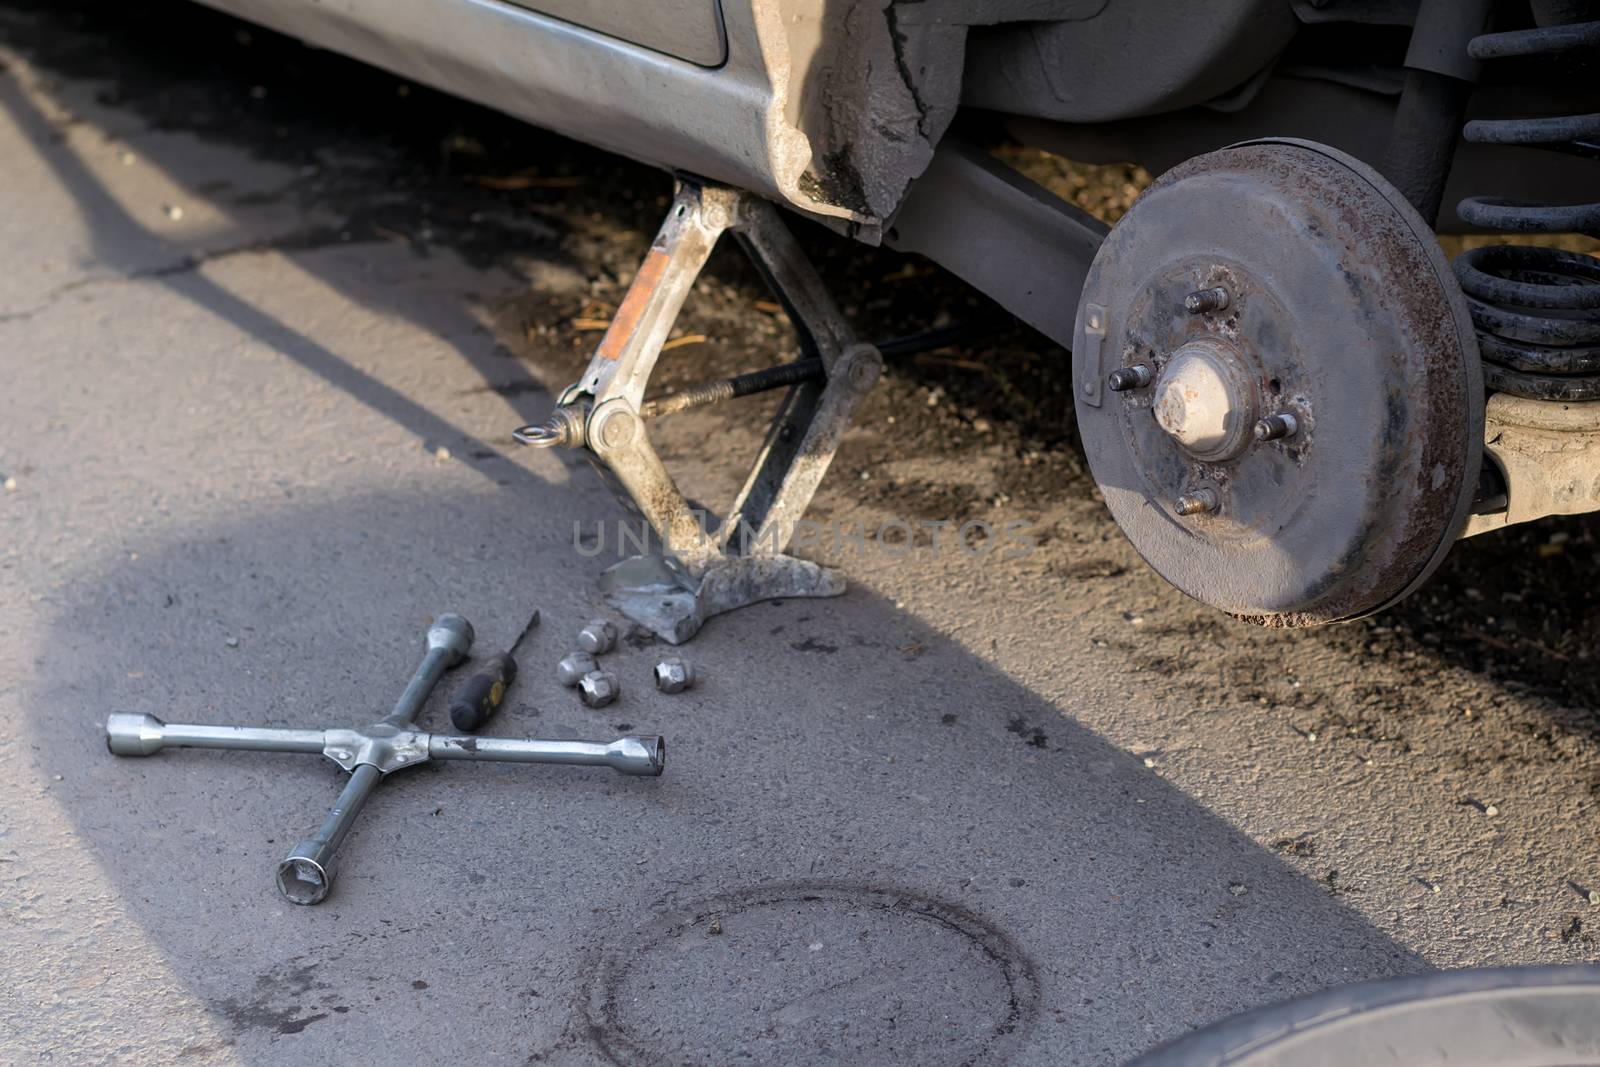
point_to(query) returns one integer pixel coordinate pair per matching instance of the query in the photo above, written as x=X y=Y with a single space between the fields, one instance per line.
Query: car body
x=872 y=118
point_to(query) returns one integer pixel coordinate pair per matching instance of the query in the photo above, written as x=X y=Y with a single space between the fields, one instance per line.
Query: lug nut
x=674 y=675
x=1197 y=502
x=598 y=688
x=1202 y=301
x=573 y=666
x=1275 y=427
x=1124 y=378
x=598 y=637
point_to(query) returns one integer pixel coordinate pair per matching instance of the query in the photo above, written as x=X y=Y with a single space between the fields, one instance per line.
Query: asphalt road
x=266 y=326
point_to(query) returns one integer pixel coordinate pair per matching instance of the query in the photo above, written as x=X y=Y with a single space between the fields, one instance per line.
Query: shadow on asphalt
x=918 y=863
x=114 y=232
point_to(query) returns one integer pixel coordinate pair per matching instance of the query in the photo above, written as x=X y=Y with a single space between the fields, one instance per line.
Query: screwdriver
x=479 y=697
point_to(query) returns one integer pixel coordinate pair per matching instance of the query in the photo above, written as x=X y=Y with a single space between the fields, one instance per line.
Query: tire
x=1504 y=1017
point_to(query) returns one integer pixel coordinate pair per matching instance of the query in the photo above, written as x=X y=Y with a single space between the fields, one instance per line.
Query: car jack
x=697 y=573
x=371 y=753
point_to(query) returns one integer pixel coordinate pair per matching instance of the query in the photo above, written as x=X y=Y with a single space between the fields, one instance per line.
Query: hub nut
x=598 y=688
x=573 y=666
x=598 y=637
x=1203 y=400
x=674 y=675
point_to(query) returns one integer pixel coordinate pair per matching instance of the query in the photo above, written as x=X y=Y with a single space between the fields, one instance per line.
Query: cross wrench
x=370 y=753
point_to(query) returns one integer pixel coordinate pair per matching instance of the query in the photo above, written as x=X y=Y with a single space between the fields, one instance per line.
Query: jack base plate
x=658 y=594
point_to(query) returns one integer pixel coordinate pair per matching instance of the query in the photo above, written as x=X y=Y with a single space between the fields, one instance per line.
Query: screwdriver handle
x=480 y=696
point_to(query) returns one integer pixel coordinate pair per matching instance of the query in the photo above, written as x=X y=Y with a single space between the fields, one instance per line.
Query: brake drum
x=1278 y=385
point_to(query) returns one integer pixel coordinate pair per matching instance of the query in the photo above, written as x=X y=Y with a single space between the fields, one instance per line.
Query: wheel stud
x=1276 y=427
x=1202 y=301
x=1124 y=378
x=1198 y=502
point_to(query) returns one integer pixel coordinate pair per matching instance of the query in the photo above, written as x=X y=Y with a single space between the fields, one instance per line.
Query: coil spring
x=1536 y=309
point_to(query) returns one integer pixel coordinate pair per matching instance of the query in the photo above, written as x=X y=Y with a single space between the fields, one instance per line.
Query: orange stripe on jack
x=626 y=320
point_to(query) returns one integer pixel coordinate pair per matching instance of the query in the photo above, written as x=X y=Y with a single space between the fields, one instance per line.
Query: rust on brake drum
x=1346 y=315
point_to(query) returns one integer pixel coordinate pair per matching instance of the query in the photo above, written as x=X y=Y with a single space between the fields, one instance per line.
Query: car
x=1292 y=401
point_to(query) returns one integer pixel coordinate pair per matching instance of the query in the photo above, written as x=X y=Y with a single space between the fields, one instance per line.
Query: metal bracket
x=1093 y=362
x=1548 y=452
x=701 y=573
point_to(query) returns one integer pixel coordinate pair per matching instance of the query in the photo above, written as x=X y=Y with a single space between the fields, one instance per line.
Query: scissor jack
x=700 y=573
x=370 y=753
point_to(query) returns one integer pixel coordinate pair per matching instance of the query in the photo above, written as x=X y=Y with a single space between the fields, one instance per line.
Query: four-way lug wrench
x=371 y=752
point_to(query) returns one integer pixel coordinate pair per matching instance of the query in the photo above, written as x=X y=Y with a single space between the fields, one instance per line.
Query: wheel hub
x=1290 y=428
x=1204 y=401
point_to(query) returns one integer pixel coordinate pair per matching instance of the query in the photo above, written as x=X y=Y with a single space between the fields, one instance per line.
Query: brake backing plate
x=1278 y=385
